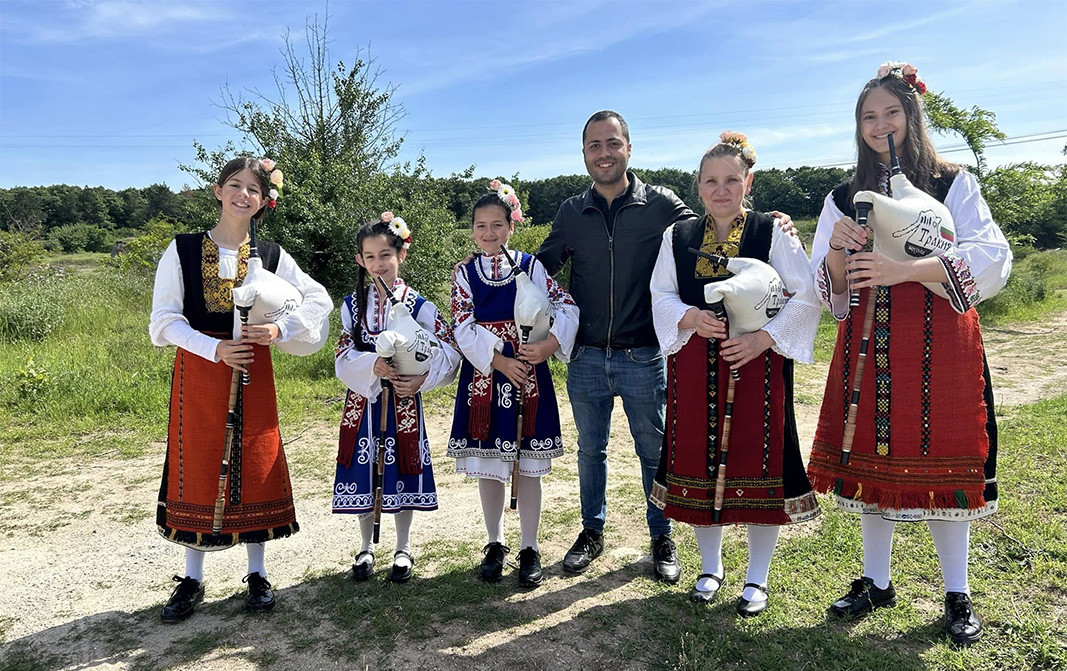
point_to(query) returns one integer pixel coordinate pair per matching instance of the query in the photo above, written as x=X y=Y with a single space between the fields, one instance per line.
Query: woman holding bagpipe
x=394 y=345
x=192 y=308
x=915 y=437
x=731 y=453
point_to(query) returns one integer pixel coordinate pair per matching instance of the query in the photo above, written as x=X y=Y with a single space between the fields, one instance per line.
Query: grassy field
x=92 y=388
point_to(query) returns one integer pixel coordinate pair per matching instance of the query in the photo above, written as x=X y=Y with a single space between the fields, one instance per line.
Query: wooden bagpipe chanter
x=747 y=301
x=908 y=225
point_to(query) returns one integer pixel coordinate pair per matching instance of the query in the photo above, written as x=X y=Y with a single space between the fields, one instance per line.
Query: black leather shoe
x=363 y=568
x=493 y=563
x=699 y=596
x=260 y=597
x=665 y=564
x=746 y=608
x=588 y=547
x=530 y=573
x=183 y=600
x=961 y=624
x=862 y=598
x=401 y=573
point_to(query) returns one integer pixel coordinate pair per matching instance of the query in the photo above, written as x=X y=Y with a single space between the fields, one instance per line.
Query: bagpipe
x=533 y=315
x=911 y=224
x=747 y=301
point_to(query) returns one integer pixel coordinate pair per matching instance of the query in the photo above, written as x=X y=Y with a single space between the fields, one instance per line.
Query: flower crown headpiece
x=905 y=71
x=507 y=194
x=740 y=140
x=276 y=180
x=398 y=227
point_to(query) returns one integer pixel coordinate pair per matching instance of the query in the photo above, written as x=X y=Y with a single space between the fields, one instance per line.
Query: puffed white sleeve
x=476 y=343
x=565 y=322
x=667 y=306
x=444 y=360
x=834 y=298
x=304 y=323
x=353 y=367
x=793 y=328
x=168 y=325
x=979 y=265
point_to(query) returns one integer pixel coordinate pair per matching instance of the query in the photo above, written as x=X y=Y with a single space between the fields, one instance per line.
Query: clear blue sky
x=114 y=93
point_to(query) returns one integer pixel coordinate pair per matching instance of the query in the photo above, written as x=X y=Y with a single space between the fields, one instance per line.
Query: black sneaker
x=260 y=597
x=862 y=598
x=493 y=563
x=183 y=600
x=961 y=624
x=665 y=564
x=586 y=548
x=530 y=573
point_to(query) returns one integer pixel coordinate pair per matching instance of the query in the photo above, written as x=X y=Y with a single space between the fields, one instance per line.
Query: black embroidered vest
x=200 y=308
x=755 y=243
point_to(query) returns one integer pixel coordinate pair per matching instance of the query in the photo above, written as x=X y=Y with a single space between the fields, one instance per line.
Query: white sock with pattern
x=877 y=547
x=491 y=493
x=952 y=538
x=709 y=540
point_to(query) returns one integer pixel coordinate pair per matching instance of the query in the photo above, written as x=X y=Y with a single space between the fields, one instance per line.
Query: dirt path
x=83 y=572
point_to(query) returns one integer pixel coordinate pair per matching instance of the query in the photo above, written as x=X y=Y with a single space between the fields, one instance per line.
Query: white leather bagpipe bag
x=752 y=296
x=910 y=225
x=406 y=342
x=533 y=310
x=272 y=298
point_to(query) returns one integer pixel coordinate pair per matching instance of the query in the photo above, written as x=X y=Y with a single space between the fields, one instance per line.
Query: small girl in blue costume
x=408 y=482
x=484 y=425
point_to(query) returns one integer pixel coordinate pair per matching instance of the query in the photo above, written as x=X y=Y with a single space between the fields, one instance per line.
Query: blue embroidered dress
x=484 y=424
x=357 y=449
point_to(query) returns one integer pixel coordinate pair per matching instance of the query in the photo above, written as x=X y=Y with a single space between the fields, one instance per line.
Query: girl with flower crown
x=765 y=483
x=192 y=308
x=407 y=480
x=495 y=364
x=924 y=447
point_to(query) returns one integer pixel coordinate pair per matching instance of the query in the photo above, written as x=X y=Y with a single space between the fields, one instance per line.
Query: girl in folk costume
x=921 y=444
x=192 y=308
x=496 y=363
x=407 y=482
x=764 y=481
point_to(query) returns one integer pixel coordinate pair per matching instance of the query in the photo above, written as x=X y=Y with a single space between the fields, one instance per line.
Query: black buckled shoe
x=586 y=548
x=746 y=608
x=183 y=600
x=961 y=624
x=363 y=568
x=862 y=598
x=402 y=573
x=493 y=563
x=700 y=596
x=530 y=573
x=260 y=597
x=665 y=564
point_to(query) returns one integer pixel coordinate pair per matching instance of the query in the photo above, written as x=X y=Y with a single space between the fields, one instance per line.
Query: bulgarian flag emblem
x=948 y=234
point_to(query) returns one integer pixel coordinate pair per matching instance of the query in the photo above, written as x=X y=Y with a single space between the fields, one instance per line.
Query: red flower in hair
x=272 y=204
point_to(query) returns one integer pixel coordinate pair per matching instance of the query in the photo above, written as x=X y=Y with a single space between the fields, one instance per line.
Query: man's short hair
x=604 y=115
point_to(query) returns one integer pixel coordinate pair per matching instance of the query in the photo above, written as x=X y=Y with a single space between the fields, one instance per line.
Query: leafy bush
x=141 y=255
x=1031 y=287
x=17 y=252
x=1029 y=201
x=80 y=238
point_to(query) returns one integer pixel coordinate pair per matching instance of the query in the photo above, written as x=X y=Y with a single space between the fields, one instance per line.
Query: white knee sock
x=709 y=540
x=492 y=494
x=366 y=532
x=529 y=511
x=761 y=543
x=256 y=561
x=877 y=548
x=952 y=539
x=194 y=563
x=403 y=536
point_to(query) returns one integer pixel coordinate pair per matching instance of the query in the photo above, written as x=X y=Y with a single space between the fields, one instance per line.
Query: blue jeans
x=594 y=377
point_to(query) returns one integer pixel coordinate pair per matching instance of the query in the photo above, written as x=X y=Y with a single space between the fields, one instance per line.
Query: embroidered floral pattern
x=961 y=285
x=730 y=247
x=218 y=291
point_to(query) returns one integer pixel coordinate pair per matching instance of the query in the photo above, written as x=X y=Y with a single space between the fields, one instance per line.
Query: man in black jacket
x=611 y=233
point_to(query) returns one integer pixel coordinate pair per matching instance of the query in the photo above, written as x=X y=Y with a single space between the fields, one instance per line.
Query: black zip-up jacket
x=610 y=273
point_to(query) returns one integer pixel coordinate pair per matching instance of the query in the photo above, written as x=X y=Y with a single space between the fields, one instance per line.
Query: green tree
x=1029 y=201
x=976 y=126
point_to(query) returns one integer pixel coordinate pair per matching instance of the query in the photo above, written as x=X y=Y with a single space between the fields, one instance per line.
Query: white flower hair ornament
x=398 y=227
x=905 y=71
x=276 y=180
x=740 y=141
x=507 y=194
